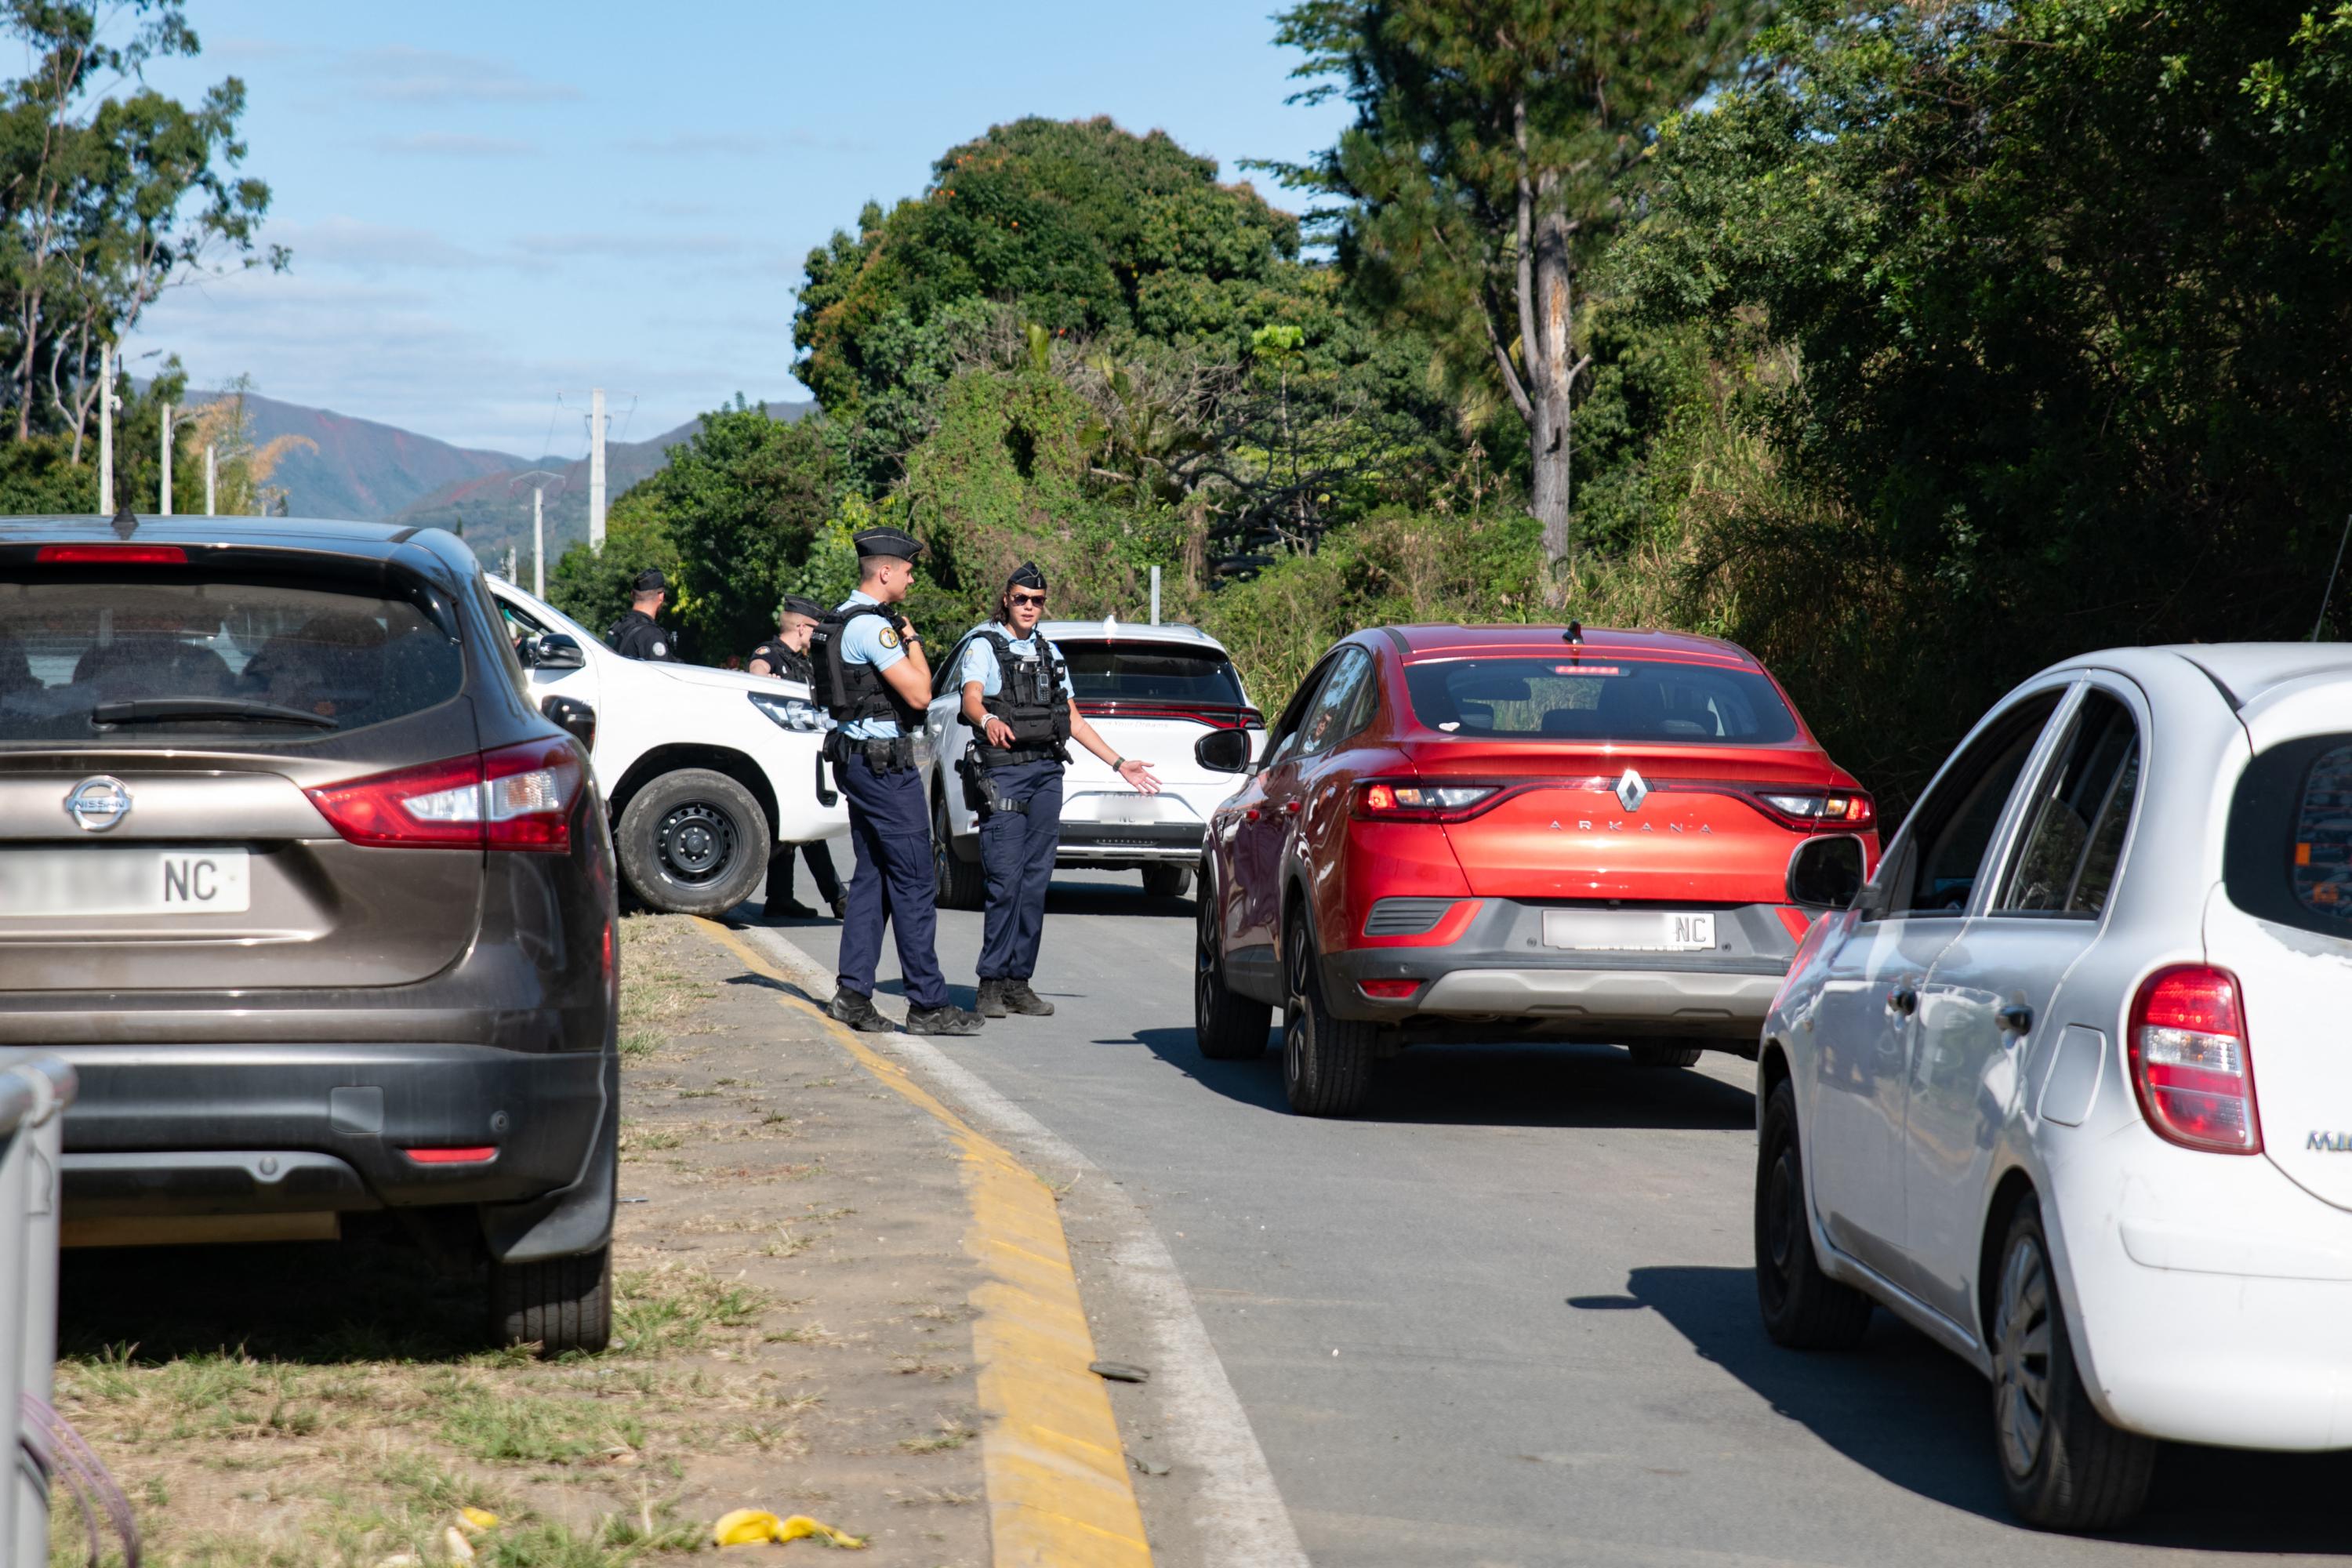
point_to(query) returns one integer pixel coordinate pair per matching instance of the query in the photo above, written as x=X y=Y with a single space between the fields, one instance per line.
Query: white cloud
x=446 y=144
x=398 y=73
x=353 y=243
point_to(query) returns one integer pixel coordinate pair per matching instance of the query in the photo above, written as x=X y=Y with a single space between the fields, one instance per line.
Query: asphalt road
x=1507 y=1315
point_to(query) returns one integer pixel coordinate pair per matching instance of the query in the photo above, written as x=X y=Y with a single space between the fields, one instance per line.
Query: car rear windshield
x=120 y=656
x=1131 y=672
x=2288 y=856
x=1597 y=699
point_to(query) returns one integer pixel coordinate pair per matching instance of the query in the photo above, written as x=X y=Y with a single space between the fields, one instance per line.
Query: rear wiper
x=177 y=710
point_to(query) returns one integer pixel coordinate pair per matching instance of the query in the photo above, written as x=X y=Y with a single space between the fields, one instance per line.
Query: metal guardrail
x=35 y=1089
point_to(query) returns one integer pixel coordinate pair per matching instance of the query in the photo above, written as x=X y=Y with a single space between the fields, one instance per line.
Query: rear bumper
x=192 y=1130
x=1090 y=844
x=1498 y=970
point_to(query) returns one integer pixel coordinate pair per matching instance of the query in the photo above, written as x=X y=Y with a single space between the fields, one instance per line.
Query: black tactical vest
x=1028 y=699
x=850 y=691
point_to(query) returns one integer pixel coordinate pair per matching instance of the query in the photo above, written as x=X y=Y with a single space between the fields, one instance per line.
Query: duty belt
x=889 y=754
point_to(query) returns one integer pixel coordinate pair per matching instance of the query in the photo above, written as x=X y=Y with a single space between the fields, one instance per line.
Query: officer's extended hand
x=998 y=732
x=1138 y=773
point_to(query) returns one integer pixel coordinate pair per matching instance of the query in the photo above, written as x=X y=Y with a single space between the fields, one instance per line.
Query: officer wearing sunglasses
x=1017 y=698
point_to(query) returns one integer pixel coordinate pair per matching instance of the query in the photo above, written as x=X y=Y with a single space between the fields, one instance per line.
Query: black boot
x=991 y=1000
x=857 y=1011
x=1020 y=999
x=947 y=1018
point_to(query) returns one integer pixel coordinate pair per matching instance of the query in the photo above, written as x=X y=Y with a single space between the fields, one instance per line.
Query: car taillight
x=1384 y=800
x=1388 y=990
x=517 y=797
x=2190 y=1063
x=1845 y=809
x=111 y=555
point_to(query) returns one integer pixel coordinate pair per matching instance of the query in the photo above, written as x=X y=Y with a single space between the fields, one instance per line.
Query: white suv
x=1152 y=692
x=704 y=770
x=2067 y=1087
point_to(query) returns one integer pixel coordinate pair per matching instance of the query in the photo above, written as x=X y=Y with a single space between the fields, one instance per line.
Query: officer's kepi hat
x=891 y=542
x=794 y=605
x=1026 y=575
x=651 y=581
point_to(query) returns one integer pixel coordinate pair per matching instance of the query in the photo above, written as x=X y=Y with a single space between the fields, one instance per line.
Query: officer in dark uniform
x=1018 y=695
x=785 y=656
x=637 y=635
x=872 y=677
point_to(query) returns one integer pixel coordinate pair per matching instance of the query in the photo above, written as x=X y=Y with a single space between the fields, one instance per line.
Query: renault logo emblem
x=99 y=804
x=1630 y=791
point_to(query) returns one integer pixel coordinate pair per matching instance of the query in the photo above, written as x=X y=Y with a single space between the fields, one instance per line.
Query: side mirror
x=1825 y=873
x=571 y=715
x=551 y=650
x=1223 y=750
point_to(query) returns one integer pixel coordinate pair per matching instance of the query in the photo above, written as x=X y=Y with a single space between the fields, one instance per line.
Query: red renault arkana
x=1492 y=833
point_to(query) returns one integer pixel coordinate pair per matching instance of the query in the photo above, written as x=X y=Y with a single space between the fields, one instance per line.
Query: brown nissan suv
x=319 y=905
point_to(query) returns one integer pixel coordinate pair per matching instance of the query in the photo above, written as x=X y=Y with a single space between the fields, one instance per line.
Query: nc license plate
x=124 y=882
x=1628 y=931
x=1127 y=808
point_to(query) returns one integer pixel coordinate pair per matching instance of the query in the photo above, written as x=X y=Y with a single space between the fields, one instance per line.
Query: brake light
x=2189 y=1063
x=111 y=555
x=1388 y=990
x=481 y=1156
x=1811 y=811
x=1388 y=800
x=517 y=797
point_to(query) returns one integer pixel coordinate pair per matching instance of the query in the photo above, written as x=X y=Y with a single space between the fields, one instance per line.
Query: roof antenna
x=2331 y=580
x=126 y=523
x=1575 y=633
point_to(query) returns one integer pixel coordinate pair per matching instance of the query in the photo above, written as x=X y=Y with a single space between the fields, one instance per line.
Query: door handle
x=2017 y=1019
x=1903 y=999
x=1290 y=808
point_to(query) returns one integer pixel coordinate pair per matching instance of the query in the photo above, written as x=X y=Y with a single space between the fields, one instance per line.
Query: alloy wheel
x=1204 y=958
x=1296 y=1015
x=696 y=842
x=2021 y=1356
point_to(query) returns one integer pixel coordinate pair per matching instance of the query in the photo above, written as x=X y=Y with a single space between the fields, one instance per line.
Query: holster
x=981 y=791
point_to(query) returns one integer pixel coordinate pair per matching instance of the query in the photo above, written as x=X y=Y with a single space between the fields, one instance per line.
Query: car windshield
x=1598 y=697
x=127 y=655
x=1145 y=672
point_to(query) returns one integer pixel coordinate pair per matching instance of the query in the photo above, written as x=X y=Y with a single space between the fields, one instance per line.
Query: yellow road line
x=1059 y=1495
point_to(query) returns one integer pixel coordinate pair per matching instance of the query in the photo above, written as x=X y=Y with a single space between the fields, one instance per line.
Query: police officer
x=872 y=676
x=637 y=635
x=1018 y=695
x=785 y=656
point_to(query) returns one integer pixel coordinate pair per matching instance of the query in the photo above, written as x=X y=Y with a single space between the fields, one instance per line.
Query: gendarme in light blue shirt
x=980 y=661
x=870 y=639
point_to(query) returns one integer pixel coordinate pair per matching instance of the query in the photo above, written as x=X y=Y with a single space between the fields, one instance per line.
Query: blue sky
x=493 y=205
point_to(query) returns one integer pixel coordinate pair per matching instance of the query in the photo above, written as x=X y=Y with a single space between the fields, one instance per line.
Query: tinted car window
x=1110 y=672
x=2288 y=856
x=1953 y=827
x=1598 y=700
x=75 y=650
x=2075 y=835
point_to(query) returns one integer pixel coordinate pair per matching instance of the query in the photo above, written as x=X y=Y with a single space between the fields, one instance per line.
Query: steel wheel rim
x=697 y=842
x=2022 y=1335
x=1779 y=1223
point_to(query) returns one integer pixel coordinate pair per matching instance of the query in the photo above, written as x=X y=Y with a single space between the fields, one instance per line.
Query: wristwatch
x=1118 y=765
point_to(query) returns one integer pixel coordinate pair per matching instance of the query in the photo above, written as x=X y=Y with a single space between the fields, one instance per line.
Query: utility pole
x=106 y=429
x=538 y=543
x=165 y=510
x=212 y=477
x=1155 y=596
x=596 y=471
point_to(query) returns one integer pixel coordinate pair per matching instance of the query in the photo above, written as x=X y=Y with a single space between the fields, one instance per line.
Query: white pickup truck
x=703 y=770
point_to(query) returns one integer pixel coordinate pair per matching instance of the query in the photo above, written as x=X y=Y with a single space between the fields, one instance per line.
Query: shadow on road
x=369 y=1298
x=1914 y=1414
x=1094 y=898
x=1504 y=1086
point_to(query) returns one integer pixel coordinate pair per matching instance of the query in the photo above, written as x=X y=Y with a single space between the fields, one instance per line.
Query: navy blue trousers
x=1017 y=851
x=893 y=884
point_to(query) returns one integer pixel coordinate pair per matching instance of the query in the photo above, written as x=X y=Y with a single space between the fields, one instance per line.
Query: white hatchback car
x=1156 y=692
x=2068 y=1087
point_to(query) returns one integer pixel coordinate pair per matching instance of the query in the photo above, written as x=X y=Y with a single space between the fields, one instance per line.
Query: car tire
x=1803 y=1308
x=1326 y=1062
x=2062 y=1466
x=693 y=842
x=1227 y=1027
x=961 y=884
x=1663 y=1054
x=1167 y=881
x=562 y=1304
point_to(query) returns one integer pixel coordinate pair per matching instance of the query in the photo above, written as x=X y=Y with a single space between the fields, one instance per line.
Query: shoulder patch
x=889 y=636
x=660 y=649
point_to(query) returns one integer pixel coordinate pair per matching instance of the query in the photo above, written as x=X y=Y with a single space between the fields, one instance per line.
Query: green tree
x=593 y=588
x=2060 y=288
x=1493 y=156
